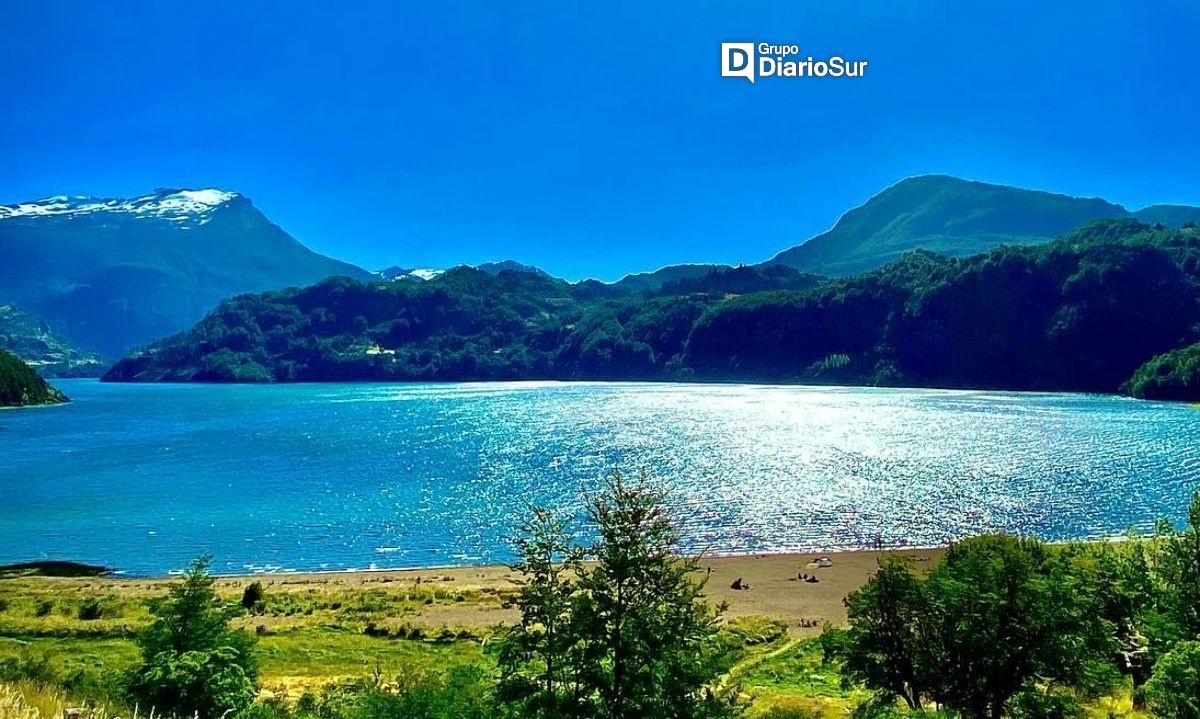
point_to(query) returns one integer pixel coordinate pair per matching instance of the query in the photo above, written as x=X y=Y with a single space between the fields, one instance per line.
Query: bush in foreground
x=192 y=661
x=627 y=635
x=1173 y=691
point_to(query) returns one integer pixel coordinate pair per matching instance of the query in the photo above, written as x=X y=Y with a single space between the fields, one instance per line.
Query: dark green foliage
x=465 y=325
x=20 y=385
x=1002 y=613
x=1083 y=313
x=1035 y=703
x=651 y=638
x=253 y=596
x=998 y=615
x=1167 y=576
x=192 y=662
x=207 y=683
x=741 y=280
x=540 y=657
x=1173 y=692
x=627 y=635
x=462 y=692
x=53 y=568
x=883 y=646
x=90 y=609
x=1174 y=375
x=1079 y=314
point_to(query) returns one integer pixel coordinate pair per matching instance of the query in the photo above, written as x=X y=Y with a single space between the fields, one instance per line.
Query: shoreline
x=102 y=571
x=775 y=589
x=717 y=381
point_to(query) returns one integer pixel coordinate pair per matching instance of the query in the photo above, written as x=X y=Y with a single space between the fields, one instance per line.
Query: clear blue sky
x=592 y=139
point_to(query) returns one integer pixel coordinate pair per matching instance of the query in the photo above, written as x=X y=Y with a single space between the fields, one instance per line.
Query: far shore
x=775 y=586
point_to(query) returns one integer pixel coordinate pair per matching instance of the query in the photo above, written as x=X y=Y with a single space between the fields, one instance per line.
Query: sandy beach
x=476 y=596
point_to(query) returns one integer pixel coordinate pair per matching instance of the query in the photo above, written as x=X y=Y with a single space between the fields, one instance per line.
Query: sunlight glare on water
x=144 y=477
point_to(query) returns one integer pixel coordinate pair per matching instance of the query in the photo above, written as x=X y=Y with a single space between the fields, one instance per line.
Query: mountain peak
x=943 y=214
x=170 y=204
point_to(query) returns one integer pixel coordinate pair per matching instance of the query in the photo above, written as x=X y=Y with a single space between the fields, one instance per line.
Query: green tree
x=650 y=636
x=192 y=661
x=883 y=645
x=1173 y=691
x=539 y=655
x=1179 y=566
x=1004 y=612
x=626 y=635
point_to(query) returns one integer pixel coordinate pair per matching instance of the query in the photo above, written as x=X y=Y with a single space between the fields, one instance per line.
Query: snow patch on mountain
x=396 y=274
x=170 y=205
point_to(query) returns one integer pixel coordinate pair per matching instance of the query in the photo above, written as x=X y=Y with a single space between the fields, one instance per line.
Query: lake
x=335 y=476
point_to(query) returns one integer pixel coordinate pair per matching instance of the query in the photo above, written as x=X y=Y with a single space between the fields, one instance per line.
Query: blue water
x=299 y=477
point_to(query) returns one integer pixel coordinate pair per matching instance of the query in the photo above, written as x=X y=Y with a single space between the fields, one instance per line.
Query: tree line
x=1006 y=626
x=1113 y=306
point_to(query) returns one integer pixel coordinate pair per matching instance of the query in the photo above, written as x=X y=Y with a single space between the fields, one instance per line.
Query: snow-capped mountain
x=186 y=207
x=111 y=273
x=396 y=273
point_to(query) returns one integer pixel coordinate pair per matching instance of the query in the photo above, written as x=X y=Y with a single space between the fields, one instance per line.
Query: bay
x=143 y=477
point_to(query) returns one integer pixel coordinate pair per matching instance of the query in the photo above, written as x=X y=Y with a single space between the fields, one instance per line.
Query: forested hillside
x=30 y=339
x=21 y=386
x=1083 y=313
x=467 y=324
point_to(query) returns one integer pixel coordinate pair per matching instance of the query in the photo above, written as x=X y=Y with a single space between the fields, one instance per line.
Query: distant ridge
x=398 y=273
x=111 y=273
x=30 y=340
x=941 y=214
x=938 y=213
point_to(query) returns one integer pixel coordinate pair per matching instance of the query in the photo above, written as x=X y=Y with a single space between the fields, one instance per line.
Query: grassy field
x=317 y=630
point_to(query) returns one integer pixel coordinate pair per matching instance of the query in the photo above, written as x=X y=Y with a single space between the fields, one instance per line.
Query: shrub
x=1032 y=703
x=252 y=597
x=192 y=662
x=205 y=683
x=1173 y=691
x=90 y=609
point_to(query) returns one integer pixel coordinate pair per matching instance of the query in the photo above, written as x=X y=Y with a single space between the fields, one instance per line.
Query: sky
x=590 y=139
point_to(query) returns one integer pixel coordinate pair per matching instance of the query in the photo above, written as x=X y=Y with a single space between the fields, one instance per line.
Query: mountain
x=21 y=386
x=31 y=340
x=951 y=216
x=114 y=273
x=651 y=281
x=465 y=324
x=1168 y=215
x=740 y=280
x=1082 y=313
x=397 y=273
x=495 y=268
